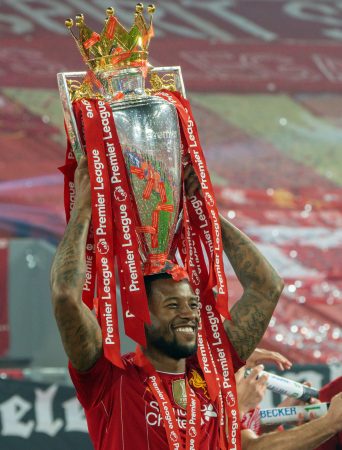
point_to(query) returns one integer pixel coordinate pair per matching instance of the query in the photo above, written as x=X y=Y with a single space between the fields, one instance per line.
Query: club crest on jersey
x=198 y=382
x=179 y=393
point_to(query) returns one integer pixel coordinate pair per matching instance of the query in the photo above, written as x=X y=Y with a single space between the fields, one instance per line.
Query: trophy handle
x=170 y=78
x=69 y=118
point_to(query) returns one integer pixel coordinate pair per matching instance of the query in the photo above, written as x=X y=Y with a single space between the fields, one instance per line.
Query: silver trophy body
x=149 y=135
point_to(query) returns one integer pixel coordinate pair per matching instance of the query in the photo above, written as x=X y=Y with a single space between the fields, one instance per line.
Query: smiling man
x=121 y=408
x=174 y=312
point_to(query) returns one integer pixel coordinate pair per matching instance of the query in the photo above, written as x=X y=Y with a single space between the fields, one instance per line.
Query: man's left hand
x=261 y=355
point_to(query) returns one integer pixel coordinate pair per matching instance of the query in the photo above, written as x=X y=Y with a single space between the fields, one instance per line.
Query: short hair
x=149 y=279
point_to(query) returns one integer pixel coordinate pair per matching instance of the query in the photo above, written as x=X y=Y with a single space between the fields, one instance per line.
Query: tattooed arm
x=262 y=287
x=261 y=284
x=80 y=332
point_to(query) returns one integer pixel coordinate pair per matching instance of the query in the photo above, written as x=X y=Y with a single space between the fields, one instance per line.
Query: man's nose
x=187 y=312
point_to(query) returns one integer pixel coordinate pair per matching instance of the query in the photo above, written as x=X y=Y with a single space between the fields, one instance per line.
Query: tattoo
x=80 y=333
x=250 y=319
x=262 y=288
x=68 y=266
x=79 y=329
x=249 y=265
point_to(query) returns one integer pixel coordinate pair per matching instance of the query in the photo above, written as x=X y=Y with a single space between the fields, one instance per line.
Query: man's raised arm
x=261 y=284
x=262 y=287
x=80 y=332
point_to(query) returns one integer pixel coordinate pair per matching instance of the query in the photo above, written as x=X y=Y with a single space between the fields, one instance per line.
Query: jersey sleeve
x=93 y=384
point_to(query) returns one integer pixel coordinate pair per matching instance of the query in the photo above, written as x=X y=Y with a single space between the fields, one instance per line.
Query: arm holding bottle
x=304 y=437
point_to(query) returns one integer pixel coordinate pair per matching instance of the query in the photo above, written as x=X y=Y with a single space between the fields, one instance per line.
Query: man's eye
x=194 y=305
x=172 y=305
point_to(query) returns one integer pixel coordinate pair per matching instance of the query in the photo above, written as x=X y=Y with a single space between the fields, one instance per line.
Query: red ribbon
x=69 y=198
x=146 y=229
x=90 y=281
x=124 y=217
x=148 y=189
x=68 y=170
x=215 y=335
x=91 y=78
x=162 y=191
x=112 y=204
x=153 y=183
x=196 y=207
x=138 y=172
x=166 y=208
x=202 y=227
x=120 y=56
x=193 y=415
x=155 y=224
x=110 y=29
x=94 y=38
x=189 y=128
x=199 y=229
x=103 y=230
x=193 y=410
x=178 y=273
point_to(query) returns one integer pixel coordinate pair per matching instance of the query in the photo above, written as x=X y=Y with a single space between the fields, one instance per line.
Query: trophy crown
x=116 y=47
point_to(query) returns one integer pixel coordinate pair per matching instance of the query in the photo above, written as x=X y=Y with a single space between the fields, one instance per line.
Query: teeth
x=185 y=329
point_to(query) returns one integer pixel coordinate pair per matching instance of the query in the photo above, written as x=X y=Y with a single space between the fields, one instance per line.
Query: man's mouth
x=185 y=329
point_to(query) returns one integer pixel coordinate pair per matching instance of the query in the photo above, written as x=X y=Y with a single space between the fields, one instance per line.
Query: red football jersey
x=122 y=413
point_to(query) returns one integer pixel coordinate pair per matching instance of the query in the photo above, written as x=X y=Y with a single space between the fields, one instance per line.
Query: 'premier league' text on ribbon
x=119 y=194
x=103 y=229
x=123 y=215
